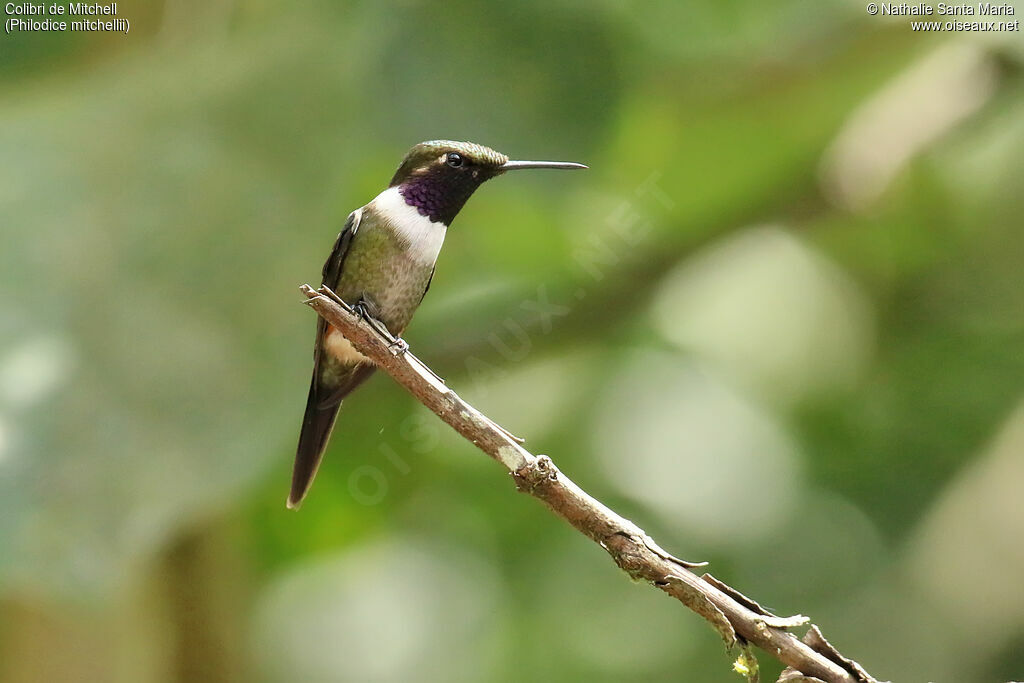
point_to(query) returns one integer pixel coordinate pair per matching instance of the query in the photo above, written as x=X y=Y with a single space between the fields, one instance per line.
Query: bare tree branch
x=737 y=618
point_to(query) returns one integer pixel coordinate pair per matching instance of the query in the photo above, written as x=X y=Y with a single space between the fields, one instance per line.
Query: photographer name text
x=983 y=10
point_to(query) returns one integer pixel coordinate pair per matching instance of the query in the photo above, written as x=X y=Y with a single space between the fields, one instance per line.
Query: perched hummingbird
x=382 y=264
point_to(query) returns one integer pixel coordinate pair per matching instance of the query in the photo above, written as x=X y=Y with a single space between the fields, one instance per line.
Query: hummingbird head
x=438 y=176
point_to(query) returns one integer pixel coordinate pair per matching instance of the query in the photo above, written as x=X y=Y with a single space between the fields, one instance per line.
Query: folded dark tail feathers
x=316 y=429
x=321 y=411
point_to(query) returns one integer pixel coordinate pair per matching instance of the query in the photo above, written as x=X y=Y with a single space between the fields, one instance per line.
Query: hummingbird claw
x=360 y=310
x=399 y=347
x=365 y=311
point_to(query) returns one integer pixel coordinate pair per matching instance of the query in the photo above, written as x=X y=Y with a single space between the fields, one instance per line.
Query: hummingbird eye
x=454 y=159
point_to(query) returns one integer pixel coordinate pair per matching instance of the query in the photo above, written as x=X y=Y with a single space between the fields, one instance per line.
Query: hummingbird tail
x=321 y=411
x=317 y=424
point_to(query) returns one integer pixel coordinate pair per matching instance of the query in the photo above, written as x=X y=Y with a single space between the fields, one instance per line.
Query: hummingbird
x=382 y=264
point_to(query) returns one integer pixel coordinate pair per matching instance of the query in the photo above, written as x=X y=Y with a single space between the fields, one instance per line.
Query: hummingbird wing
x=429 y=280
x=324 y=399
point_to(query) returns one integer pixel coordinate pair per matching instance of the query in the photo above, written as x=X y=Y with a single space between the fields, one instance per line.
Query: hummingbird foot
x=399 y=347
x=362 y=311
x=365 y=310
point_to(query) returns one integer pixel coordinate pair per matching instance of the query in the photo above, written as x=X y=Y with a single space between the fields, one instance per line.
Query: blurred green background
x=781 y=327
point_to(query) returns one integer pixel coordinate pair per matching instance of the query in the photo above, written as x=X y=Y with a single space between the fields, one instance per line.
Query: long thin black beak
x=516 y=165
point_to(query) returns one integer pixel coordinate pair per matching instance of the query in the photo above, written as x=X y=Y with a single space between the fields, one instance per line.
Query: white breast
x=423 y=237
